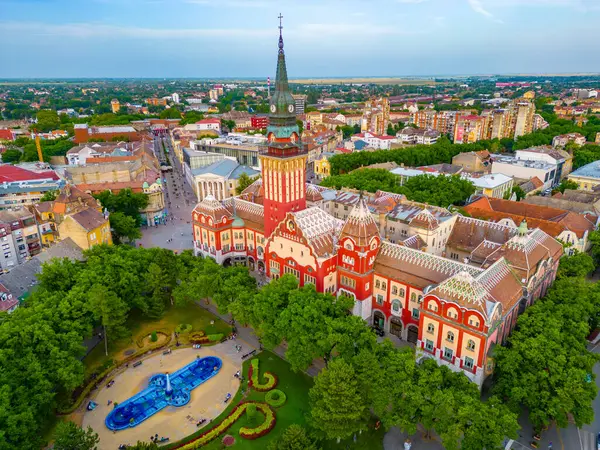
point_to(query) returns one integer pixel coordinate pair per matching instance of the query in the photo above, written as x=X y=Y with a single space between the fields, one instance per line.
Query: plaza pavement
x=207 y=400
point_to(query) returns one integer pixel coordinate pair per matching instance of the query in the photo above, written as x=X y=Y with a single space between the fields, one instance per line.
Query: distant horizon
x=208 y=39
x=313 y=77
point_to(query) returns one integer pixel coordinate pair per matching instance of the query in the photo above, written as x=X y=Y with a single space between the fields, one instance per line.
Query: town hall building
x=451 y=285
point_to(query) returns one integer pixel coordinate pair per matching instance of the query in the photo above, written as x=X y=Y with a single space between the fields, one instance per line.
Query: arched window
x=396 y=305
x=430 y=328
x=401 y=292
x=470 y=344
x=450 y=336
x=394 y=290
x=413 y=297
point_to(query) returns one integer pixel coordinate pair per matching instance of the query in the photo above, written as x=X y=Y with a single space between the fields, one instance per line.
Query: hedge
x=238 y=411
x=263 y=428
x=254 y=378
x=101 y=377
x=183 y=328
x=275 y=398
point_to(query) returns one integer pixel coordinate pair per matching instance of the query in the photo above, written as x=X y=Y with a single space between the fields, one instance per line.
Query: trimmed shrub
x=263 y=428
x=251 y=413
x=254 y=378
x=184 y=328
x=153 y=337
x=275 y=398
x=215 y=337
x=236 y=413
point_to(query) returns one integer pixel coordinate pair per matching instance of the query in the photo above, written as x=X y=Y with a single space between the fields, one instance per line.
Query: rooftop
x=591 y=170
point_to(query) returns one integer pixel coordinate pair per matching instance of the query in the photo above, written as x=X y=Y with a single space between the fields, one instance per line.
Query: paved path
x=394 y=440
x=176 y=234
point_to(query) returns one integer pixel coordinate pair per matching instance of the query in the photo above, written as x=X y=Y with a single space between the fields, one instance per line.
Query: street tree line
x=435 y=190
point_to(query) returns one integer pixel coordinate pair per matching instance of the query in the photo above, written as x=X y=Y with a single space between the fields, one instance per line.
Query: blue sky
x=238 y=38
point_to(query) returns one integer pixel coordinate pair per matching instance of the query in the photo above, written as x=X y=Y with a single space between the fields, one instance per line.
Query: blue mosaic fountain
x=163 y=390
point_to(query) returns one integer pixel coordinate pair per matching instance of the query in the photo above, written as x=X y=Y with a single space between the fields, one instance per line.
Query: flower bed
x=140 y=341
x=275 y=398
x=263 y=428
x=254 y=378
x=249 y=433
x=183 y=328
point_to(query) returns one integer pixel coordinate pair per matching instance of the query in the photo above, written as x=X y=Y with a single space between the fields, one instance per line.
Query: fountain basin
x=155 y=397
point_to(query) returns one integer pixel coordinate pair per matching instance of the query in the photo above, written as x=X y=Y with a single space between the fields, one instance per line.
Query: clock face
x=273 y=108
x=291 y=108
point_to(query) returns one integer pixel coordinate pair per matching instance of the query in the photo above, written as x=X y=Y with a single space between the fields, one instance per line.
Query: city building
x=376 y=116
x=204 y=125
x=524 y=112
x=564 y=139
x=7 y=135
x=568 y=227
x=526 y=169
x=451 y=285
x=86 y=228
x=175 y=98
x=410 y=135
x=242 y=119
x=243 y=149
x=19 y=237
x=142 y=176
x=24 y=187
x=8 y=303
x=473 y=161
x=83 y=133
x=321 y=165
x=103 y=152
x=219 y=179
x=380 y=142
x=587 y=177
x=299 y=103
x=496 y=185
x=561 y=158
x=470 y=129
x=115 y=106
x=259 y=121
x=156 y=101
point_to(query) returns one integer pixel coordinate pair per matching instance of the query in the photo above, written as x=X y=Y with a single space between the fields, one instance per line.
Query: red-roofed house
x=8 y=303
x=6 y=135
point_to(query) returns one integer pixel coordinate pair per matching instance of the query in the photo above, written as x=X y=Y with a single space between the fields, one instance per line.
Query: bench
x=136 y=364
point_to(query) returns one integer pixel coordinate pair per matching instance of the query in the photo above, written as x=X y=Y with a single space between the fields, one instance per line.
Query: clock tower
x=283 y=163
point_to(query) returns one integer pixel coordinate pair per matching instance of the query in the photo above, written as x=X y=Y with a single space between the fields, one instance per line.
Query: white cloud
x=478 y=7
x=91 y=30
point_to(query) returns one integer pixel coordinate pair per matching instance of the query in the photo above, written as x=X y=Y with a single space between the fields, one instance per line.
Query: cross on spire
x=280 y=16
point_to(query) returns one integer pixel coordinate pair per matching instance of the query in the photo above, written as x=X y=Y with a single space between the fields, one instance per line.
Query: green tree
x=244 y=181
x=268 y=304
x=191 y=117
x=300 y=126
x=69 y=436
x=577 y=265
x=337 y=407
x=294 y=437
x=546 y=364
x=47 y=120
x=228 y=125
x=566 y=184
x=518 y=192
x=123 y=226
x=110 y=310
x=170 y=113
x=49 y=196
x=12 y=155
x=126 y=201
x=390 y=130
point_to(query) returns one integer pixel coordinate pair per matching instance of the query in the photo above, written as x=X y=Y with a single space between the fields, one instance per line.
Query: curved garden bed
x=275 y=398
x=254 y=378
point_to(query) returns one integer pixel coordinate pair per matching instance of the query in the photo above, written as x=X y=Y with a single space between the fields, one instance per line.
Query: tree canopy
x=441 y=190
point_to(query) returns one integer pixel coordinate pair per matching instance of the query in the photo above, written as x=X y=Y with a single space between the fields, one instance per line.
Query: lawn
x=295 y=386
x=140 y=326
x=295 y=410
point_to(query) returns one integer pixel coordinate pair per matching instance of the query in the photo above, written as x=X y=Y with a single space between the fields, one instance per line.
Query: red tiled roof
x=209 y=121
x=10 y=173
x=6 y=135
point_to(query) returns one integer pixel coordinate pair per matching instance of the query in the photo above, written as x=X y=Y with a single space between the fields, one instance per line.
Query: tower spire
x=280 y=16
